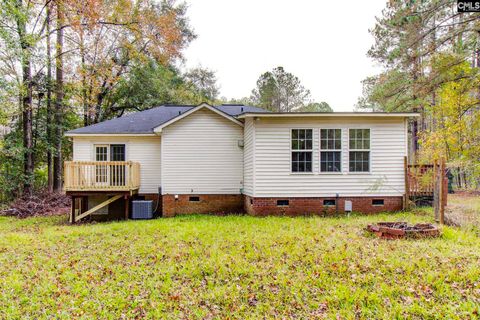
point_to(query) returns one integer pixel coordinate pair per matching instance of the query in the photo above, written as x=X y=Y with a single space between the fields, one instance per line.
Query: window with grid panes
x=330 y=150
x=359 y=150
x=301 y=149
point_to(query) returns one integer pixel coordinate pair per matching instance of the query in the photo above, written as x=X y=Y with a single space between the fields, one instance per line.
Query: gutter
x=327 y=114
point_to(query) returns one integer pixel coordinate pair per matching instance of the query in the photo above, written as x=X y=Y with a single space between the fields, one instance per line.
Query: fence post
x=435 y=191
x=441 y=194
x=407 y=186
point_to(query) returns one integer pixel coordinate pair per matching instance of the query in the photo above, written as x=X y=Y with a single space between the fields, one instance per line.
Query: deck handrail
x=101 y=175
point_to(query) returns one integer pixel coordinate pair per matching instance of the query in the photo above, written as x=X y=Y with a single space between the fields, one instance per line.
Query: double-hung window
x=330 y=150
x=359 y=150
x=302 y=148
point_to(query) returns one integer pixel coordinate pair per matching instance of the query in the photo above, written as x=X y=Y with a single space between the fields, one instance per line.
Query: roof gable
x=159 y=128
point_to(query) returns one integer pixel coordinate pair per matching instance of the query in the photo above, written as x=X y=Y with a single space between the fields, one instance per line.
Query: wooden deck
x=101 y=176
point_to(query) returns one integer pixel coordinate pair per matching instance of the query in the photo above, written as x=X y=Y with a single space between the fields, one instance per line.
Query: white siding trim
x=406 y=137
x=162 y=170
x=254 y=148
x=249 y=158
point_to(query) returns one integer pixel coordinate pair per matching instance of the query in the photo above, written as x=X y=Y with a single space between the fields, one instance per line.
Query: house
x=236 y=158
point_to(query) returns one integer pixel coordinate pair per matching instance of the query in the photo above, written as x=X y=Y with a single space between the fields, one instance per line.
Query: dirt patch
x=39 y=204
x=466 y=193
x=463 y=209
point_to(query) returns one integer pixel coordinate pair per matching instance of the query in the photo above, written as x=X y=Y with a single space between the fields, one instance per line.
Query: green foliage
x=431 y=60
x=408 y=36
x=150 y=84
x=234 y=267
x=316 y=107
x=378 y=92
x=11 y=165
x=41 y=178
x=455 y=134
x=280 y=91
x=204 y=82
x=117 y=57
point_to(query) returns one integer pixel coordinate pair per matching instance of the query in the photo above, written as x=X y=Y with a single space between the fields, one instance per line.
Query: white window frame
x=93 y=155
x=107 y=167
x=102 y=145
x=301 y=150
x=320 y=150
x=369 y=150
x=102 y=172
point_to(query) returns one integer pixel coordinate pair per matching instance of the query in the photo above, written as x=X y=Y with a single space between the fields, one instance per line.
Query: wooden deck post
x=72 y=214
x=127 y=208
x=84 y=206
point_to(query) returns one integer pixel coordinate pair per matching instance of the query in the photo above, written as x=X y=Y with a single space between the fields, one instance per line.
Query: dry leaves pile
x=39 y=204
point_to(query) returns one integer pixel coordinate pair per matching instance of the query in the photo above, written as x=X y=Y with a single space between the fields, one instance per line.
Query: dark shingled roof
x=146 y=121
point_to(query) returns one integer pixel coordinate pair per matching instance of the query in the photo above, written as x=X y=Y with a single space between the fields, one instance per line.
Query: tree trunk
x=49 y=106
x=57 y=158
x=415 y=122
x=27 y=108
x=84 y=81
x=27 y=128
x=414 y=136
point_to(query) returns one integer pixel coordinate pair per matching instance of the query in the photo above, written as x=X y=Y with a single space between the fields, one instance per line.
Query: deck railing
x=101 y=175
x=420 y=180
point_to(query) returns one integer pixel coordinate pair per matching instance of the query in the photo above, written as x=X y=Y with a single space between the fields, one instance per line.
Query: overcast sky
x=324 y=43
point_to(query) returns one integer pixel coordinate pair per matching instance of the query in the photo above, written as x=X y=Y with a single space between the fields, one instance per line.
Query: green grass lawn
x=234 y=267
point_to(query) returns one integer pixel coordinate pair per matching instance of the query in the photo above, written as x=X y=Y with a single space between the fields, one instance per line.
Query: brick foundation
x=208 y=203
x=307 y=206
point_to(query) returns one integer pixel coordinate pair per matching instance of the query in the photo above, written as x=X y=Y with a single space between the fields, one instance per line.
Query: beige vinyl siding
x=82 y=149
x=248 y=157
x=145 y=150
x=273 y=176
x=201 y=155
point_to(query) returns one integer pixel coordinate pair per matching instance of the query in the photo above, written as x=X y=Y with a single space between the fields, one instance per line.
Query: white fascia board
x=110 y=135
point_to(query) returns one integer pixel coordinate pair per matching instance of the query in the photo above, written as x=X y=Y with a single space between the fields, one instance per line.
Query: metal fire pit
x=397 y=230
